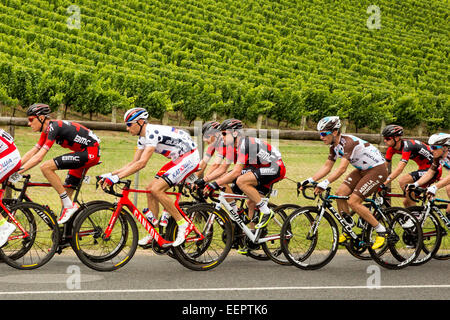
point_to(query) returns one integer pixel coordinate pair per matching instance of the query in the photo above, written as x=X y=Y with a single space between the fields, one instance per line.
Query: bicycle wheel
x=90 y=244
x=40 y=245
x=404 y=240
x=272 y=248
x=208 y=253
x=308 y=242
x=443 y=252
x=431 y=234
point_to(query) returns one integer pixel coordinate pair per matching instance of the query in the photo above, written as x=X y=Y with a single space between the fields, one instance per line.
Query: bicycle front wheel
x=404 y=240
x=443 y=252
x=91 y=245
x=431 y=234
x=31 y=251
x=308 y=240
x=206 y=254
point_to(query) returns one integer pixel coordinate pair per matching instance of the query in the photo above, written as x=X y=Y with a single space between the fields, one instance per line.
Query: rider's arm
x=27 y=156
x=443 y=182
x=34 y=160
x=326 y=169
x=218 y=168
x=139 y=162
x=394 y=174
x=339 y=171
x=230 y=176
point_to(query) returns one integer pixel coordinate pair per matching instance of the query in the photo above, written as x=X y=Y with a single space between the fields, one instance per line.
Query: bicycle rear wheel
x=308 y=243
x=404 y=240
x=40 y=245
x=443 y=252
x=91 y=246
x=210 y=252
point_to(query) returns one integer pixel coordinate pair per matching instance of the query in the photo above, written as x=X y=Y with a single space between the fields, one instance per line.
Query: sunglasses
x=435 y=147
x=129 y=124
x=30 y=119
x=388 y=138
x=324 y=134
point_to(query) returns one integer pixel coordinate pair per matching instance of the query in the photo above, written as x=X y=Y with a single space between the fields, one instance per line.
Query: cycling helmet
x=210 y=127
x=440 y=139
x=230 y=124
x=38 y=109
x=392 y=130
x=329 y=123
x=135 y=114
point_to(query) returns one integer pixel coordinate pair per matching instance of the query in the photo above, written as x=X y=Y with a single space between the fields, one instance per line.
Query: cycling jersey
x=70 y=135
x=223 y=151
x=254 y=152
x=441 y=162
x=361 y=154
x=77 y=138
x=414 y=150
x=262 y=159
x=9 y=156
x=168 y=141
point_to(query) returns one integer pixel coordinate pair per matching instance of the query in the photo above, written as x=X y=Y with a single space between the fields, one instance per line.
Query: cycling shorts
x=9 y=164
x=78 y=163
x=177 y=170
x=265 y=176
x=363 y=183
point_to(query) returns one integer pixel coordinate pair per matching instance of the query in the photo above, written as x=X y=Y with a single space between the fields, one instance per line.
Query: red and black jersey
x=70 y=135
x=223 y=151
x=254 y=152
x=414 y=150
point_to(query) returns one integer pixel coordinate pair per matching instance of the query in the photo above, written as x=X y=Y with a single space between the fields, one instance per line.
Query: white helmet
x=135 y=114
x=439 y=139
x=329 y=123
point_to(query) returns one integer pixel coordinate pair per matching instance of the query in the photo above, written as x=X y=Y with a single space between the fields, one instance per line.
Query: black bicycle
x=309 y=237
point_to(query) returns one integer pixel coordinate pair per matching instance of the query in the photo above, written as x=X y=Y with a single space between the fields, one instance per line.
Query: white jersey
x=168 y=141
x=361 y=154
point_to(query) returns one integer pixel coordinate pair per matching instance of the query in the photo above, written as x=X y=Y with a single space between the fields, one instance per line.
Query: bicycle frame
x=126 y=202
x=254 y=237
x=13 y=219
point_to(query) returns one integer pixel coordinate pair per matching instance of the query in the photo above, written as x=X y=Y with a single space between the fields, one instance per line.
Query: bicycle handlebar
x=417 y=191
x=111 y=190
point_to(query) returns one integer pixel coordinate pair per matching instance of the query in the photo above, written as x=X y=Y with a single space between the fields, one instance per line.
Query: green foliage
x=284 y=59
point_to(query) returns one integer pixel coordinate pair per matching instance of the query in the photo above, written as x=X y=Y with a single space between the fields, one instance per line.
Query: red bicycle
x=36 y=238
x=105 y=236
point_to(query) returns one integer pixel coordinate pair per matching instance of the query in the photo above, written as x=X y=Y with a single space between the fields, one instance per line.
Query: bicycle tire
x=404 y=243
x=443 y=253
x=104 y=254
x=37 y=249
x=431 y=230
x=299 y=245
x=208 y=253
x=273 y=248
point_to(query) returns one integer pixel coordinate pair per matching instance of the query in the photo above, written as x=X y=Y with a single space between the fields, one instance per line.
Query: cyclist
x=368 y=175
x=440 y=144
x=410 y=149
x=224 y=158
x=258 y=166
x=9 y=164
x=83 y=143
x=170 y=142
x=209 y=131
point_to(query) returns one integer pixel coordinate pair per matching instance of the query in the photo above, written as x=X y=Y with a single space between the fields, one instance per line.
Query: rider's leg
x=343 y=190
x=158 y=188
x=403 y=181
x=448 y=194
x=152 y=202
x=48 y=169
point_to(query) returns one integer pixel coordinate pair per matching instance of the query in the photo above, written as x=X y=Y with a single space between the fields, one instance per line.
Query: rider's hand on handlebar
x=321 y=186
x=411 y=186
x=210 y=188
x=305 y=183
x=108 y=181
x=431 y=191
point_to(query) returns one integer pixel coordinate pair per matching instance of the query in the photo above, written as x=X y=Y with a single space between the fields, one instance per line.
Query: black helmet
x=392 y=130
x=210 y=127
x=38 y=109
x=230 y=124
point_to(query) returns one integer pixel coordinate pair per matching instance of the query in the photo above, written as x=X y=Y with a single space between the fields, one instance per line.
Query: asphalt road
x=152 y=277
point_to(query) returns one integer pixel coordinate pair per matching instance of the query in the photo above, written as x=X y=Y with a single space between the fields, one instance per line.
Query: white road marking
x=175 y=290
